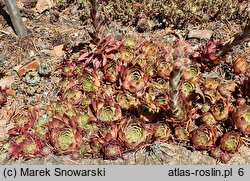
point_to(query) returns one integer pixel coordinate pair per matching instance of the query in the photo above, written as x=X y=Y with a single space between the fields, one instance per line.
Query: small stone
x=248 y=44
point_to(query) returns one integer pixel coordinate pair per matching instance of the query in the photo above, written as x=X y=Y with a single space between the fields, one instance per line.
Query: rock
x=201 y=34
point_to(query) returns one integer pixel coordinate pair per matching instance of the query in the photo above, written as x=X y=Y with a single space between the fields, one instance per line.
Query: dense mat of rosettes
x=122 y=95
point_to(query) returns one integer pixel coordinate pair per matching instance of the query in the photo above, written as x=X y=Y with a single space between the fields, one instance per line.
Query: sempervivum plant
x=181 y=134
x=64 y=139
x=112 y=150
x=149 y=49
x=84 y=122
x=106 y=109
x=191 y=73
x=220 y=110
x=231 y=142
x=127 y=54
x=73 y=95
x=26 y=146
x=31 y=146
x=111 y=71
x=204 y=137
x=161 y=131
x=133 y=78
x=133 y=132
x=125 y=100
x=240 y=65
x=180 y=60
x=68 y=68
x=164 y=65
x=90 y=80
x=23 y=123
x=3 y=97
x=241 y=118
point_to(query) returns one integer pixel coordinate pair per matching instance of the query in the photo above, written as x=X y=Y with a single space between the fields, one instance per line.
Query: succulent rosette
x=149 y=49
x=125 y=100
x=73 y=95
x=231 y=142
x=153 y=90
x=240 y=65
x=106 y=109
x=85 y=149
x=30 y=147
x=3 y=97
x=26 y=146
x=68 y=68
x=59 y=107
x=150 y=70
x=87 y=99
x=208 y=118
x=212 y=96
x=90 y=80
x=84 y=122
x=133 y=79
x=133 y=132
x=192 y=74
x=23 y=122
x=96 y=146
x=65 y=140
x=187 y=88
x=211 y=84
x=216 y=153
x=127 y=54
x=65 y=84
x=204 y=137
x=41 y=125
x=164 y=67
x=161 y=131
x=111 y=71
x=112 y=150
x=181 y=134
x=241 y=119
x=130 y=42
x=220 y=110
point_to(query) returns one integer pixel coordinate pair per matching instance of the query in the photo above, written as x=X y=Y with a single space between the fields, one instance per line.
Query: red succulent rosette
x=133 y=78
x=106 y=109
x=161 y=131
x=23 y=122
x=241 y=118
x=26 y=146
x=112 y=150
x=64 y=139
x=112 y=70
x=231 y=142
x=133 y=132
x=204 y=137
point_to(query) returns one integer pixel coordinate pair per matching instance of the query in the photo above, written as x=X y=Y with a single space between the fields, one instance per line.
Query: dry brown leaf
x=6 y=82
x=11 y=92
x=59 y=50
x=4 y=132
x=31 y=66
